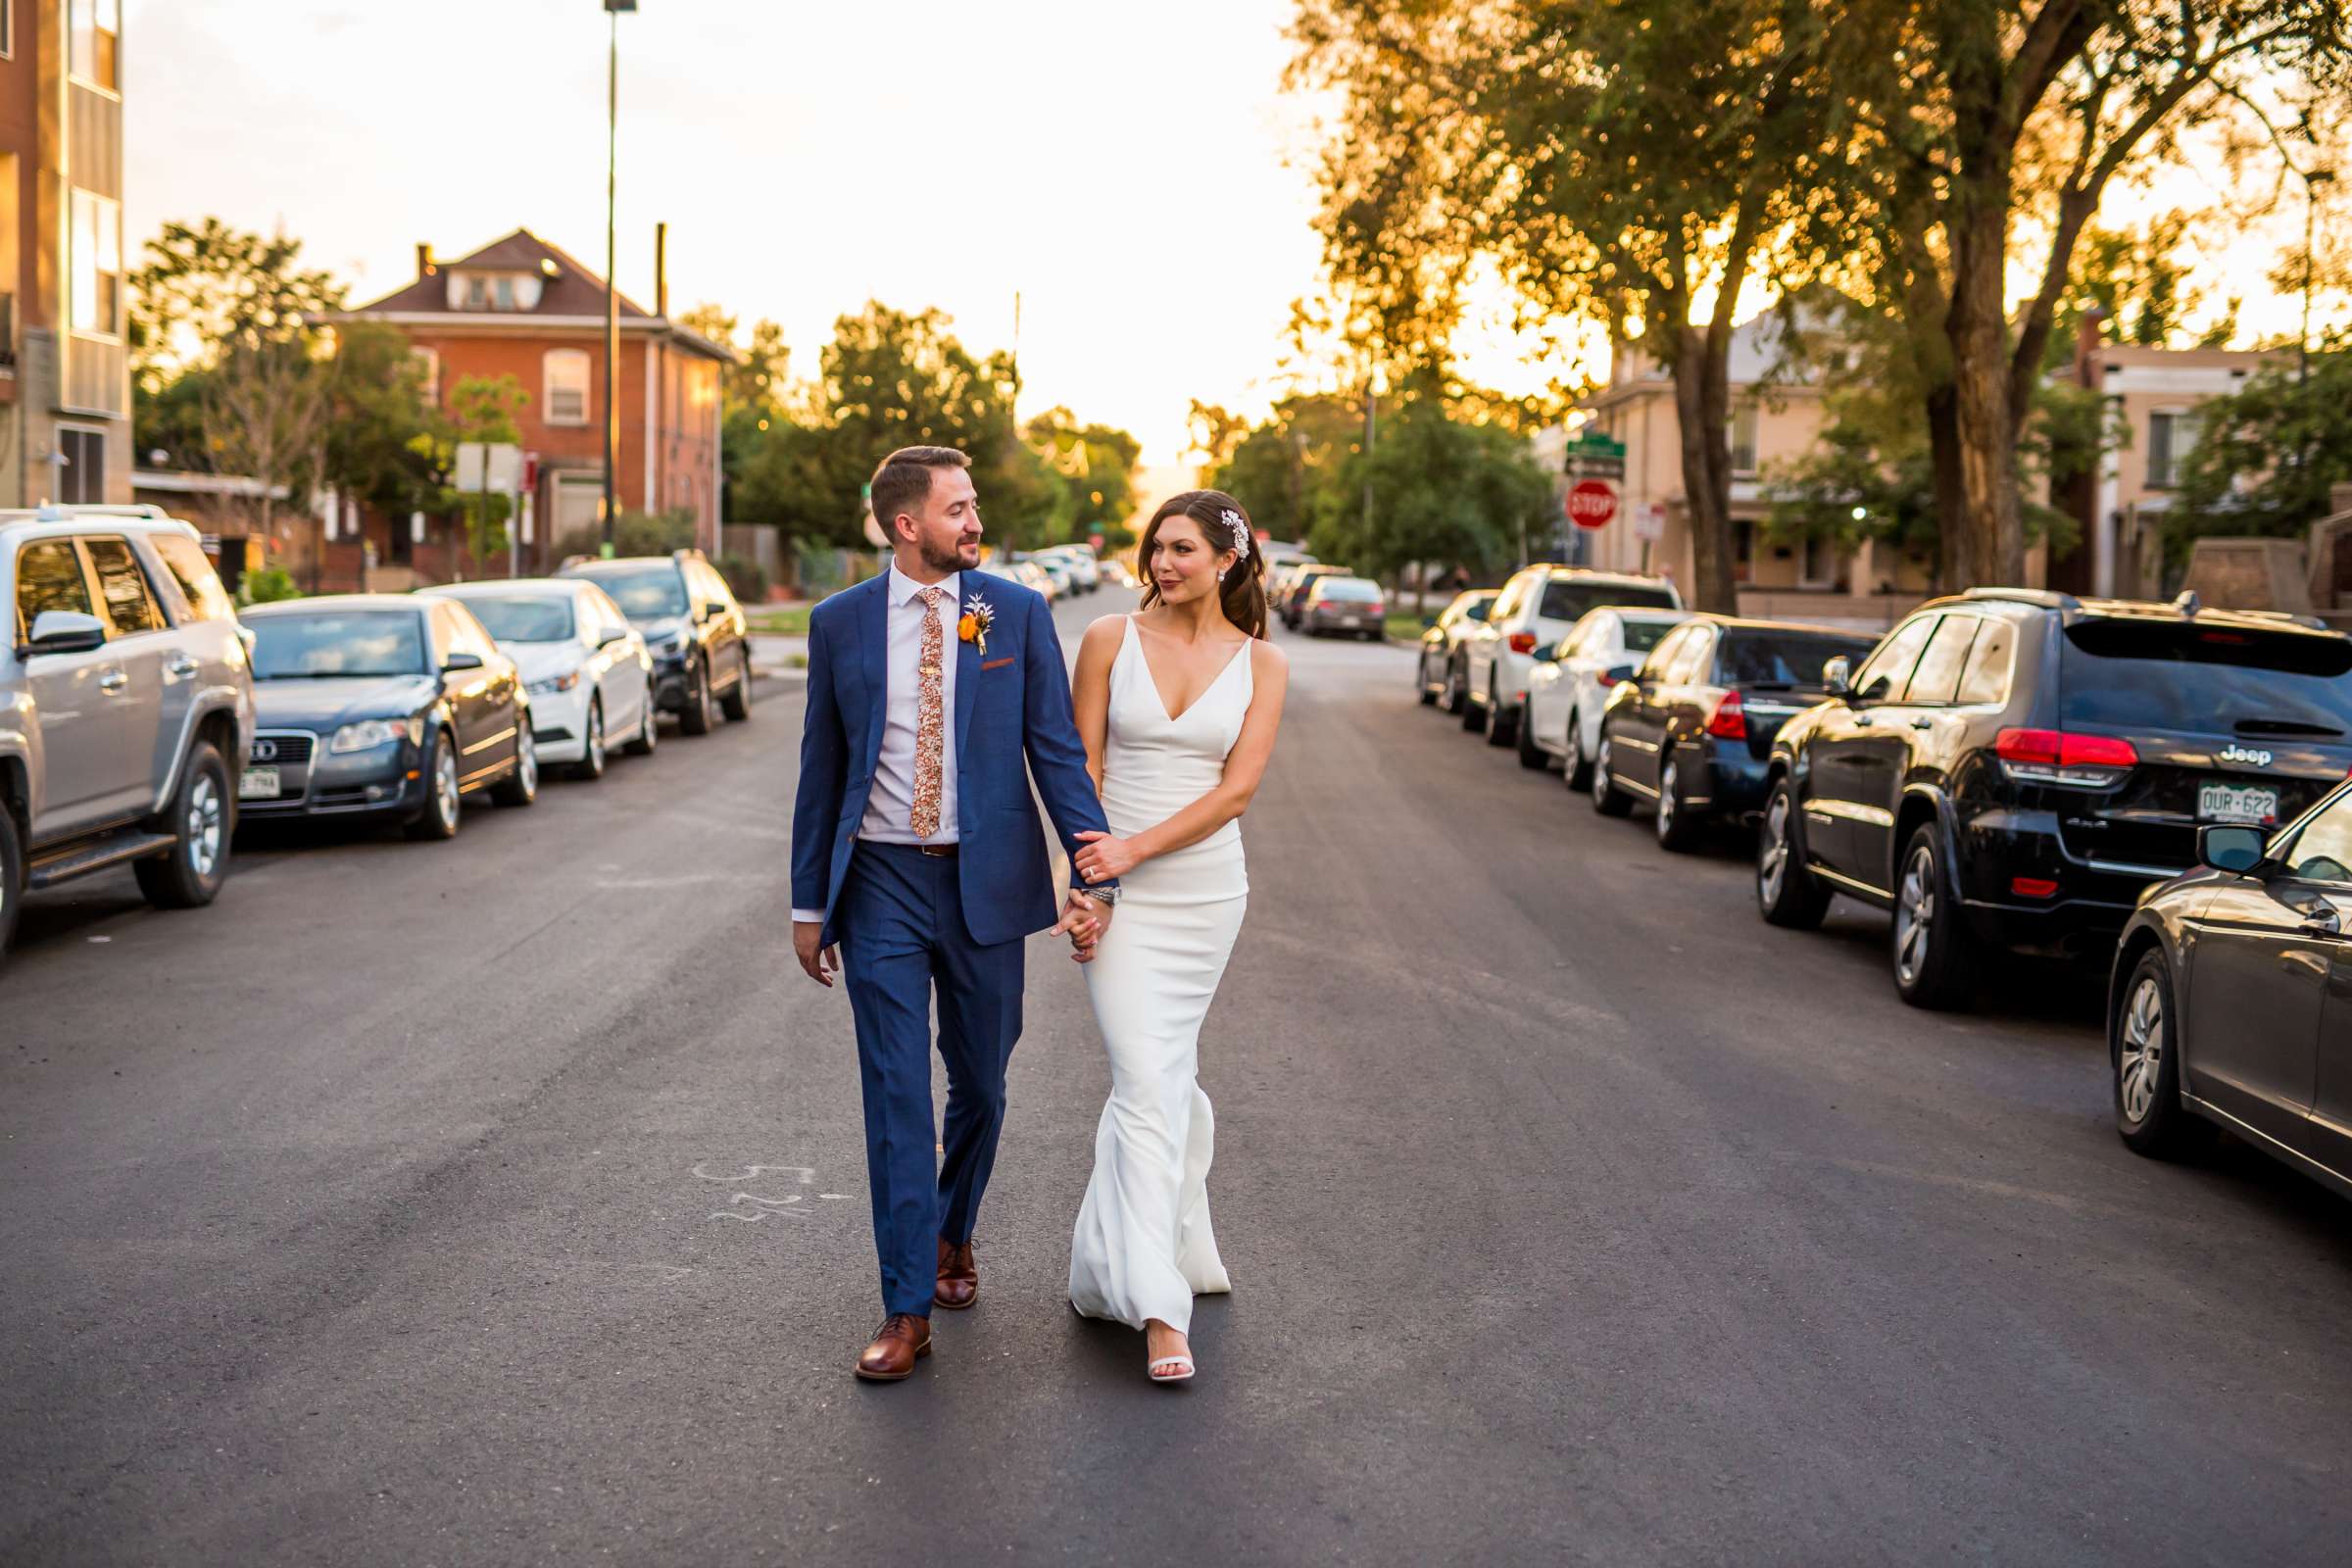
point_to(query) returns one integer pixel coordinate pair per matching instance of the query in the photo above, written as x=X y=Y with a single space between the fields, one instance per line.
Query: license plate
x=2237 y=802
x=1351 y=621
x=258 y=784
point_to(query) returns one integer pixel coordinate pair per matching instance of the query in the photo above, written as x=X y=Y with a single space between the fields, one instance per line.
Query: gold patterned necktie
x=929 y=723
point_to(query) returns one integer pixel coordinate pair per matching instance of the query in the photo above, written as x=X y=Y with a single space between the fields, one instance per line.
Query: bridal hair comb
x=1240 y=528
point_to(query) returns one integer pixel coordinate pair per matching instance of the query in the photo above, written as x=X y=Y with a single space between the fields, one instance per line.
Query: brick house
x=523 y=307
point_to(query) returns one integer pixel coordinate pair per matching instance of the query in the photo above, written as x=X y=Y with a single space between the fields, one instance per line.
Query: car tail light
x=2054 y=756
x=1376 y=608
x=1523 y=642
x=1728 y=722
x=2032 y=887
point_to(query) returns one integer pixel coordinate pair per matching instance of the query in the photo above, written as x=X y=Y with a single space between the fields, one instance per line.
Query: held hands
x=822 y=963
x=1083 y=921
x=1104 y=857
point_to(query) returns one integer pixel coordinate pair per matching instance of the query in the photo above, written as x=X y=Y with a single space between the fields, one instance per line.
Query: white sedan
x=1566 y=691
x=587 y=669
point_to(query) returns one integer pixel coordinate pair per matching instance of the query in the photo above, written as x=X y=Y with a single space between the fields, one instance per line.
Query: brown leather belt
x=944 y=852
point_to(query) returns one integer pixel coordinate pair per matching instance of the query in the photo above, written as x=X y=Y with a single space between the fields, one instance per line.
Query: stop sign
x=1591 y=503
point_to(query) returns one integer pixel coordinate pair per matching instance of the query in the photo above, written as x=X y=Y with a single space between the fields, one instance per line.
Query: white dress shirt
x=890 y=804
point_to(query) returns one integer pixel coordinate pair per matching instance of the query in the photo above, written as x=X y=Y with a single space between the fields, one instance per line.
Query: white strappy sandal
x=1180 y=1369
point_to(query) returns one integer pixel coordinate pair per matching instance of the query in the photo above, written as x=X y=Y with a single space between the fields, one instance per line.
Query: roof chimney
x=2089 y=332
x=425 y=261
x=662 y=270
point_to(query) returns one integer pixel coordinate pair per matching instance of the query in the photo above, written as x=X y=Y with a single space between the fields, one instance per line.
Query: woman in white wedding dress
x=1178 y=705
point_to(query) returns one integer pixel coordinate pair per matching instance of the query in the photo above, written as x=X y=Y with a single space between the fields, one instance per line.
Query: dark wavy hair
x=1244 y=590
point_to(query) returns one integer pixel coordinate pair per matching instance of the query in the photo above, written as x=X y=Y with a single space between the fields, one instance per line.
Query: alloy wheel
x=1667 y=782
x=526 y=759
x=2141 y=1059
x=1914 y=915
x=1571 y=751
x=1600 y=769
x=1772 y=859
x=445 y=785
x=202 y=830
x=596 y=738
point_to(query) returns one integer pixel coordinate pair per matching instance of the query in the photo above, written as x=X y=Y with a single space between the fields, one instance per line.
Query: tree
x=1973 y=111
x=757 y=378
x=380 y=431
x=2266 y=454
x=1277 y=469
x=1094 y=467
x=481 y=408
x=1636 y=162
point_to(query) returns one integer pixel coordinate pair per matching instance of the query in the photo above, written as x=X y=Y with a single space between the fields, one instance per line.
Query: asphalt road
x=502 y=1202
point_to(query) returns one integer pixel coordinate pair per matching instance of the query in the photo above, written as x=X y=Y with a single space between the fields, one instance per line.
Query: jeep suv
x=125 y=704
x=692 y=628
x=2012 y=768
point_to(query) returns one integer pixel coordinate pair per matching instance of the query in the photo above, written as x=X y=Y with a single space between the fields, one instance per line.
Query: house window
x=81 y=477
x=2171 y=435
x=95 y=31
x=1817 y=563
x=97 y=264
x=429 y=374
x=1742 y=430
x=565 y=393
x=8 y=30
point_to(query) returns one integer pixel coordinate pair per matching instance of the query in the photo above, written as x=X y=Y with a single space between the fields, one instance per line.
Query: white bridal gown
x=1143 y=1245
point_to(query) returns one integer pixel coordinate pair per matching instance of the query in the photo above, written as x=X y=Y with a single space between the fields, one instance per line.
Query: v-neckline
x=1136 y=632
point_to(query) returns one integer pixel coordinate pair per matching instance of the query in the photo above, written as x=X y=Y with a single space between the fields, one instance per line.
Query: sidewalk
x=779 y=657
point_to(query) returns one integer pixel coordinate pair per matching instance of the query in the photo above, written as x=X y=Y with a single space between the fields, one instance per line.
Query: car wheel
x=1474 y=717
x=1421 y=687
x=592 y=766
x=1607 y=798
x=1677 y=824
x=1574 y=772
x=12 y=878
x=1933 y=965
x=1787 y=891
x=438 y=818
x=649 y=729
x=189 y=874
x=1530 y=755
x=2144 y=1043
x=1456 y=694
x=1501 y=727
x=737 y=704
x=520 y=787
x=700 y=716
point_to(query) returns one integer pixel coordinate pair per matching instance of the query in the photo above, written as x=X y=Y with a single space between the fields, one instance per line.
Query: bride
x=1178 y=705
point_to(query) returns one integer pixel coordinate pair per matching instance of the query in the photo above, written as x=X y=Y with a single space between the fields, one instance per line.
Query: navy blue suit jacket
x=1012 y=705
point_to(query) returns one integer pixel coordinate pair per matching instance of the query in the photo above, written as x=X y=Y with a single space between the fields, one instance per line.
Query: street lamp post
x=612 y=11
x=2313 y=180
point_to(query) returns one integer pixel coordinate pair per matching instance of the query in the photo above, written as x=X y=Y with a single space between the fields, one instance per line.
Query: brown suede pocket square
x=997 y=664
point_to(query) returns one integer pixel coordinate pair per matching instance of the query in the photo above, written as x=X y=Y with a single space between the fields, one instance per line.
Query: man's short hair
x=903 y=483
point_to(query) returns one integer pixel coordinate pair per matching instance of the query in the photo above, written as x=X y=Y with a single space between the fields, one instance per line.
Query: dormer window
x=494 y=291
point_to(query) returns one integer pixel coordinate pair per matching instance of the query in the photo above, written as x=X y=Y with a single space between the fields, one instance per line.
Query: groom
x=917 y=859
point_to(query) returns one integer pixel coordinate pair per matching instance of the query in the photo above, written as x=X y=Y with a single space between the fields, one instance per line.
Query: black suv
x=2013 y=769
x=692 y=628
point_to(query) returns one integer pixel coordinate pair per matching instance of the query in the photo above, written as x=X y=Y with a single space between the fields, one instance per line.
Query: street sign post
x=1591 y=503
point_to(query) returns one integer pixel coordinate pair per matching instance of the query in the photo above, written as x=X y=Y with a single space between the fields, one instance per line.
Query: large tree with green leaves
x=1636 y=163
x=2266 y=455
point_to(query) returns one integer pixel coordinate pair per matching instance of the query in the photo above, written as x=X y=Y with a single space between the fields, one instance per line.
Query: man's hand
x=1083 y=921
x=821 y=963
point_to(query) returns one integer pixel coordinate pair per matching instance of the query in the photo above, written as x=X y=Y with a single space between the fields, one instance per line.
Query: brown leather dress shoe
x=958 y=1283
x=903 y=1340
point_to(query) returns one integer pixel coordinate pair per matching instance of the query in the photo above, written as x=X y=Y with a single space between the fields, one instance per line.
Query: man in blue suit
x=919 y=864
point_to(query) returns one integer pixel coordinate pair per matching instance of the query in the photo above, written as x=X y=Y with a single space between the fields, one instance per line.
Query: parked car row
x=142 y=716
x=1056 y=571
x=2159 y=789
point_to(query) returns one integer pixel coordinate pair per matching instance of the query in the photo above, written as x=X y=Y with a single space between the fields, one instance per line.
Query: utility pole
x=612 y=11
x=2311 y=181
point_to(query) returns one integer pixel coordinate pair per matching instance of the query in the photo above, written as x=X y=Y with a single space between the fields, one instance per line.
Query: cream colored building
x=1775 y=415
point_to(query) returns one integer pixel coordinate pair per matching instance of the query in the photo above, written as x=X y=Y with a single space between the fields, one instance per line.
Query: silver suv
x=125 y=705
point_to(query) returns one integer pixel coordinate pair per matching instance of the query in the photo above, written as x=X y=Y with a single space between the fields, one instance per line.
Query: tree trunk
x=1951 y=504
x=1994 y=536
x=1702 y=409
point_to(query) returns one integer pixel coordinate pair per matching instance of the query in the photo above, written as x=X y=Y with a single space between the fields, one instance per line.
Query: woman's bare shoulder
x=1266 y=657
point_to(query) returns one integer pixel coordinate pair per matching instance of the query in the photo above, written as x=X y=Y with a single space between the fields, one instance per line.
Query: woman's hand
x=1104 y=857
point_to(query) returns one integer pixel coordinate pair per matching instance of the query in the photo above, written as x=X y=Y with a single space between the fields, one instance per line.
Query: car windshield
x=1641 y=636
x=1361 y=589
x=644 y=593
x=364 y=642
x=2226 y=680
x=1783 y=658
x=522 y=617
x=1565 y=599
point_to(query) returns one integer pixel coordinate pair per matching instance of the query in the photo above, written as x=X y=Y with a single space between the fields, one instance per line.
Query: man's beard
x=938 y=560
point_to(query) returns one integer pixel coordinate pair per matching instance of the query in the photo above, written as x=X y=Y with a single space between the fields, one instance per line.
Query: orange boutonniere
x=974 y=626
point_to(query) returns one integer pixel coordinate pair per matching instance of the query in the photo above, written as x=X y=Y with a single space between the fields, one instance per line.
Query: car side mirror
x=714 y=609
x=1428 y=621
x=457 y=661
x=1619 y=674
x=613 y=634
x=2229 y=847
x=64 y=631
x=1837 y=677
x=1544 y=652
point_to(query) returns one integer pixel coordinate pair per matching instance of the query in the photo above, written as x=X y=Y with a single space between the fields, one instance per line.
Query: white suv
x=125 y=705
x=1566 y=691
x=1536 y=609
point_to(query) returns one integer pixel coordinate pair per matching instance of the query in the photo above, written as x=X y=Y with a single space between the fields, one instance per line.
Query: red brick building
x=524 y=308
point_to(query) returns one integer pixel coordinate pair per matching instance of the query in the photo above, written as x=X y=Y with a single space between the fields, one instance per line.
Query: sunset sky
x=1132 y=169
